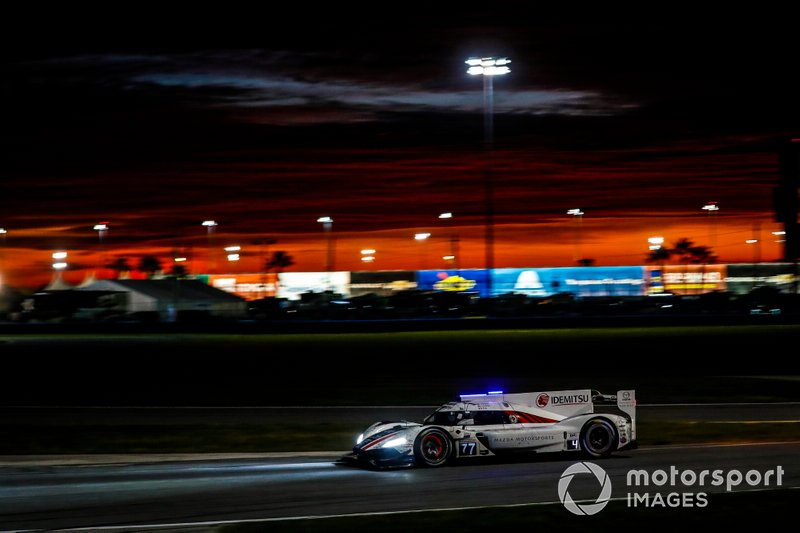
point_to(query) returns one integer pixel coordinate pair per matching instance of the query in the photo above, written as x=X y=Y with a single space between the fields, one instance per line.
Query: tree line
x=150 y=265
x=684 y=251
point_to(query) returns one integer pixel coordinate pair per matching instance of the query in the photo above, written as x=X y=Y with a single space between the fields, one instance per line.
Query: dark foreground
x=735 y=512
x=164 y=495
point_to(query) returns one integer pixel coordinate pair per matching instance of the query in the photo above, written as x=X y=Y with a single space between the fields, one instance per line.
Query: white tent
x=58 y=284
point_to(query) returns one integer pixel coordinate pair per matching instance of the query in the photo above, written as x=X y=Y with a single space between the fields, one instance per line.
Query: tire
x=433 y=447
x=599 y=438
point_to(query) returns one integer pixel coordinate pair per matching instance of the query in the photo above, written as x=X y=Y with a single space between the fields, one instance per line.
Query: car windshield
x=447 y=418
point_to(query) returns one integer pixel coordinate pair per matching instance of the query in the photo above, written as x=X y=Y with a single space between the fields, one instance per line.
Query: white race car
x=482 y=425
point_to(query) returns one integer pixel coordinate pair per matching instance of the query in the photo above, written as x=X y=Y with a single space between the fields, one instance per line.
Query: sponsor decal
x=527 y=418
x=525 y=438
x=542 y=400
x=569 y=399
x=454 y=283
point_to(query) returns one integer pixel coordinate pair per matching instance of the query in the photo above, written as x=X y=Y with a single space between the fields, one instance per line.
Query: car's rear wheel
x=433 y=447
x=599 y=438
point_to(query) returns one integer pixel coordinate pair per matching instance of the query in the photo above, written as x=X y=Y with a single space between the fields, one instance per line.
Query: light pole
x=233 y=253
x=755 y=249
x=262 y=263
x=454 y=244
x=211 y=226
x=578 y=214
x=327 y=227
x=755 y=242
x=655 y=243
x=488 y=67
x=101 y=229
x=712 y=208
x=59 y=261
x=3 y=233
x=368 y=255
x=422 y=238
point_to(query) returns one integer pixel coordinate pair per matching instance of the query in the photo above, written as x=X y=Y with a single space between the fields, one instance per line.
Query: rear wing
x=563 y=403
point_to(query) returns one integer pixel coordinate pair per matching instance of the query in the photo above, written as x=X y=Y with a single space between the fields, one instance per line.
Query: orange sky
x=555 y=243
x=619 y=118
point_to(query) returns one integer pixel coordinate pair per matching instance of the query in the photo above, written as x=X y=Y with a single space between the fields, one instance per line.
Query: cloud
x=267 y=88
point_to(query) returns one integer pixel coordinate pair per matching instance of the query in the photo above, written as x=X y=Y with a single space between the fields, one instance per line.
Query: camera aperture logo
x=587 y=508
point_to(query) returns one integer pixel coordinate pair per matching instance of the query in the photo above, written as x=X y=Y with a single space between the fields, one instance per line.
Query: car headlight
x=392 y=443
x=360 y=438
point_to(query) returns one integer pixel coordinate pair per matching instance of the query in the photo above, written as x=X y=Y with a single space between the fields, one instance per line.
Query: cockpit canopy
x=456 y=413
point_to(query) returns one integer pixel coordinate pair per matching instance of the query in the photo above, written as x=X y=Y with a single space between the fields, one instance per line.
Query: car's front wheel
x=598 y=438
x=433 y=447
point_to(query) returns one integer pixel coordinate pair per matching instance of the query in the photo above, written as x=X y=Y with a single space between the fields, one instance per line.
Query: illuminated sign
x=455 y=284
x=464 y=280
x=248 y=286
x=539 y=282
x=686 y=279
x=292 y=284
x=579 y=281
x=289 y=285
x=382 y=282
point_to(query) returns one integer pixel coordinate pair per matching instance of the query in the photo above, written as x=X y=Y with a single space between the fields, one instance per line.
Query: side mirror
x=467 y=422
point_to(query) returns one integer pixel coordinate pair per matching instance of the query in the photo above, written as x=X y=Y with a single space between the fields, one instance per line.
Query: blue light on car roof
x=481 y=394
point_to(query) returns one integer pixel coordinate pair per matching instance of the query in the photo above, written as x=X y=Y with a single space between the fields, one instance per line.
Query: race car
x=492 y=424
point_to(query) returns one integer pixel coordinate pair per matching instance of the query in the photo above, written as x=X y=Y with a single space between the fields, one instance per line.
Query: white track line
x=211 y=523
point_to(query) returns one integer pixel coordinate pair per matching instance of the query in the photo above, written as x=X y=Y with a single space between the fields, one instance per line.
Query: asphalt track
x=163 y=496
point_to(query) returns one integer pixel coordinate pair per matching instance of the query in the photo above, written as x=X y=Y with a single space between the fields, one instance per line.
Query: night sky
x=154 y=121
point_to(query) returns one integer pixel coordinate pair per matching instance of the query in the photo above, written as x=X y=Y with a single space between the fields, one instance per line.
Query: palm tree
x=149 y=265
x=120 y=265
x=703 y=255
x=278 y=263
x=179 y=271
x=263 y=242
x=689 y=253
x=686 y=252
x=659 y=256
x=683 y=250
